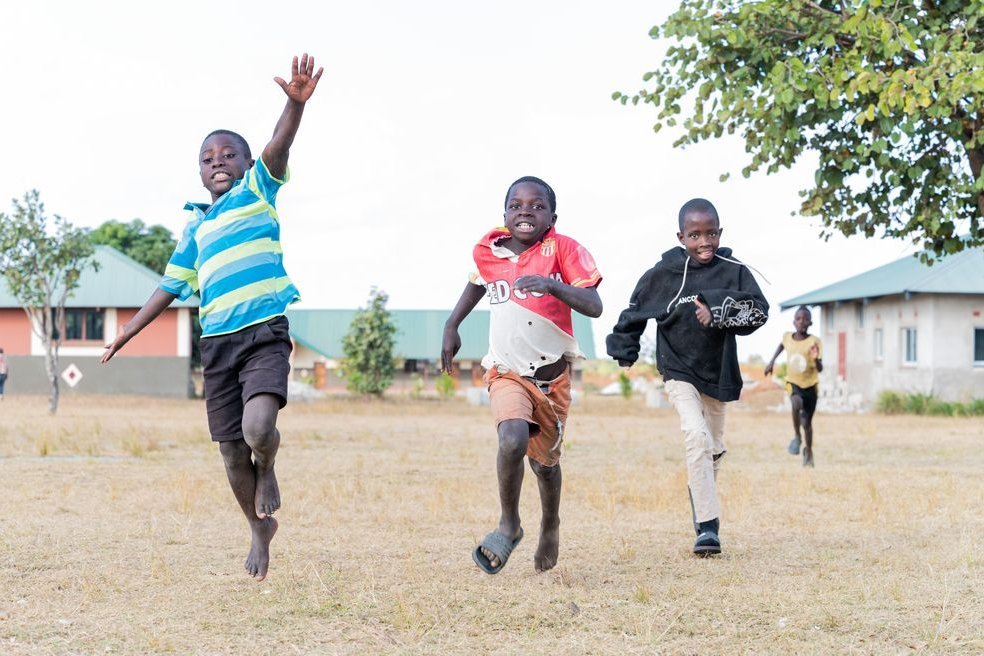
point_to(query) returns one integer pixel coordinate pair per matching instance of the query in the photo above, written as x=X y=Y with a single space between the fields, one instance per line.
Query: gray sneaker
x=794 y=446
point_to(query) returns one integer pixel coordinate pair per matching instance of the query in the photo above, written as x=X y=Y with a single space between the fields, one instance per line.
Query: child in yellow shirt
x=804 y=364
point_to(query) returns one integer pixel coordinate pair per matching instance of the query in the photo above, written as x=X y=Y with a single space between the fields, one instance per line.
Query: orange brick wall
x=159 y=338
x=15 y=331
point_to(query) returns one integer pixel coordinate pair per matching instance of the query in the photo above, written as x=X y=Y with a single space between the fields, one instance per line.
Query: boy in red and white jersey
x=533 y=277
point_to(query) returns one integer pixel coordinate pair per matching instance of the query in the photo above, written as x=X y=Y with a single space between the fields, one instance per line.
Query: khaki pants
x=702 y=422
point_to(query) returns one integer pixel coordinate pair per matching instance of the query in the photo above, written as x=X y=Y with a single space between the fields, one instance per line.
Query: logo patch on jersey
x=548 y=246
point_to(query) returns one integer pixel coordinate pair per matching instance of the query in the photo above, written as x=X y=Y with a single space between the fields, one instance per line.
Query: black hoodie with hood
x=707 y=358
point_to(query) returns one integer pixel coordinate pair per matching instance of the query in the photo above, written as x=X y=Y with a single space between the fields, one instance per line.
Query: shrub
x=937 y=407
x=889 y=402
x=446 y=385
x=368 y=347
x=916 y=404
x=624 y=385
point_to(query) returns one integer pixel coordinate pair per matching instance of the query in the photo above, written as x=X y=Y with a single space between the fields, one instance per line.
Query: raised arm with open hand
x=303 y=82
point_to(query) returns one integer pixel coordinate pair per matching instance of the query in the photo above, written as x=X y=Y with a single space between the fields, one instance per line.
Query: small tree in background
x=625 y=385
x=368 y=347
x=42 y=260
x=446 y=386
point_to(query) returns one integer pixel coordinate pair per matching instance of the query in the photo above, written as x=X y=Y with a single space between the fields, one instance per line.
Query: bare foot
x=267 y=499
x=258 y=560
x=546 y=551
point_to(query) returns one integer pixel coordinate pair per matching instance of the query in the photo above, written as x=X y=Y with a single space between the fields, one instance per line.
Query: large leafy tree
x=368 y=347
x=42 y=258
x=888 y=94
x=151 y=246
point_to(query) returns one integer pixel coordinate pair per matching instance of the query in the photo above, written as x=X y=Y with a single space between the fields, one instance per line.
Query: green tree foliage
x=888 y=95
x=42 y=259
x=151 y=246
x=368 y=347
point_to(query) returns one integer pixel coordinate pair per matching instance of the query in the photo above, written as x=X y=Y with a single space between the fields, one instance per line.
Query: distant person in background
x=804 y=363
x=701 y=298
x=230 y=254
x=533 y=277
x=3 y=372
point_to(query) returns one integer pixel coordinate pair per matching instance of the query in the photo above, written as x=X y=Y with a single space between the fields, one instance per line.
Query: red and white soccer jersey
x=529 y=330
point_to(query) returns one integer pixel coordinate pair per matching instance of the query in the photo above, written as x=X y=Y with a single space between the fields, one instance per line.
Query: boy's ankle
x=710 y=526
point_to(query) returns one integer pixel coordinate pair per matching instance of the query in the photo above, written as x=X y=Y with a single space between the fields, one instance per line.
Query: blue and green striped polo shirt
x=230 y=255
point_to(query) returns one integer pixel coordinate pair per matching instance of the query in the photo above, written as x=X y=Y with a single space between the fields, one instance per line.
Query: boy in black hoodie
x=700 y=299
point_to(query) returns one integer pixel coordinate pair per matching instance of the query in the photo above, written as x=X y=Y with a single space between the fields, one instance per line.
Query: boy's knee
x=235 y=451
x=259 y=432
x=797 y=403
x=543 y=471
x=514 y=437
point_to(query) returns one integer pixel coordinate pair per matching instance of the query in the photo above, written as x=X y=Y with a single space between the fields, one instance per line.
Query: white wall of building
x=944 y=365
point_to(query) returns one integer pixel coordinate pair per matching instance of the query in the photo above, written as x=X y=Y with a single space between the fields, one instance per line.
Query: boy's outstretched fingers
x=303 y=79
x=111 y=349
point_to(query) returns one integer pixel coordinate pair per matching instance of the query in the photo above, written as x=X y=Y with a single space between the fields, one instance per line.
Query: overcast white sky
x=426 y=112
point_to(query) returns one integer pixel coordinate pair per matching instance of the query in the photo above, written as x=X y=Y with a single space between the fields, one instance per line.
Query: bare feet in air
x=258 y=560
x=547 y=549
x=267 y=498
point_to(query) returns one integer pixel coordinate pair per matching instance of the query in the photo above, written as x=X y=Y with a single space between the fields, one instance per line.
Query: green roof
x=419 y=332
x=120 y=282
x=962 y=273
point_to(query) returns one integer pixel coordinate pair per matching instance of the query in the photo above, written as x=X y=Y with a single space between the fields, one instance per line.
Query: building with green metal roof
x=318 y=337
x=156 y=362
x=905 y=326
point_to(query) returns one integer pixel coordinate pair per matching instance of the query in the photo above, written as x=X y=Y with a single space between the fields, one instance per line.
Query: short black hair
x=235 y=135
x=551 y=196
x=803 y=308
x=697 y=206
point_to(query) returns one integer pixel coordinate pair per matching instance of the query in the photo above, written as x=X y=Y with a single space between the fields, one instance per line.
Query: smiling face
x=701 y=236
x=528 y=213
x=222 y=161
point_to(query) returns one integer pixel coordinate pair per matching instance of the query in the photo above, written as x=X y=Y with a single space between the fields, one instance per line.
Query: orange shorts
x=544 y=405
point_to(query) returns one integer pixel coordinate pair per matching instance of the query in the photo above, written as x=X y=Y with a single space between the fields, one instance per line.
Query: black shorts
x=240 y=365
x=809 y=396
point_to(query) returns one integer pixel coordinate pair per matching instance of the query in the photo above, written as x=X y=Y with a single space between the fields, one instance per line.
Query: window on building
x=73 y=324
x=84 y=324
x=859 y=314
x=909 y=344
x=409 y=366
x=878 y=343
x=828 y=317
x=979 y=347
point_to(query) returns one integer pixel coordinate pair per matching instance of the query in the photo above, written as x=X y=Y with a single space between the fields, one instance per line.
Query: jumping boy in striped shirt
x=230 y=254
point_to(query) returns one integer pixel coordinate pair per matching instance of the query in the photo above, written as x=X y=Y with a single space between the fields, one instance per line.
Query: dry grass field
x=118 y=535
